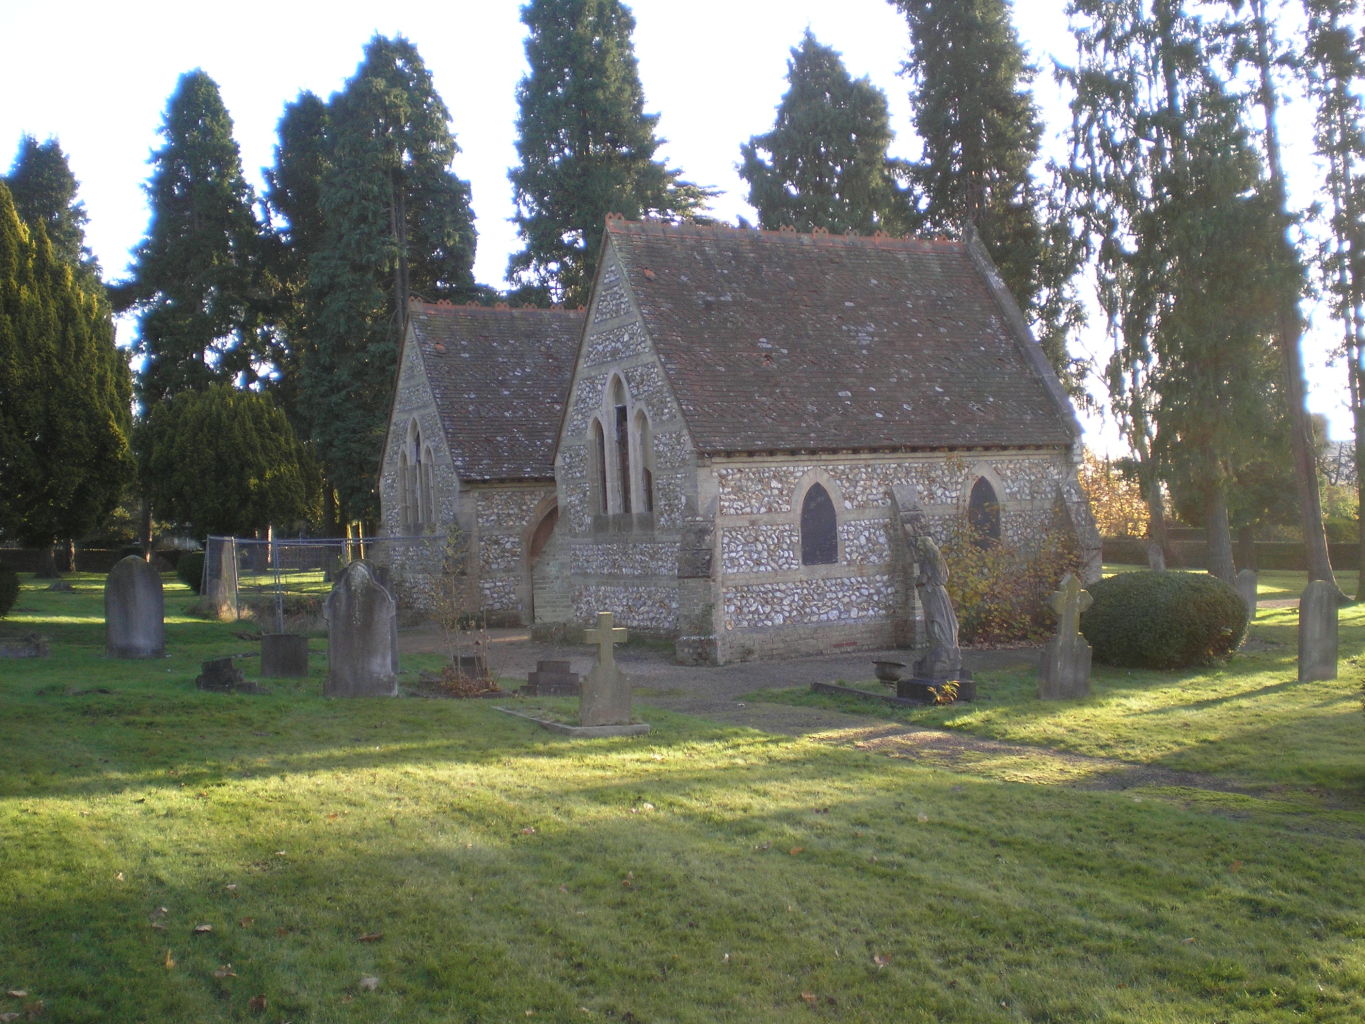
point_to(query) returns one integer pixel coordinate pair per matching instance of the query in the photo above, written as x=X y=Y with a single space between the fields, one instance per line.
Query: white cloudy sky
x=97 y=76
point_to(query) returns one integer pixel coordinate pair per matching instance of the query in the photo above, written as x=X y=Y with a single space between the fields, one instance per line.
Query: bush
x=190 y=569
x=999 y=591
x=1163 y=620
x=9 y=590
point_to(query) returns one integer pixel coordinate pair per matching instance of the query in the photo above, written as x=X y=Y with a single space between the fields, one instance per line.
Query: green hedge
x=1163 y=620
x=1193 y=554
x=190 y=569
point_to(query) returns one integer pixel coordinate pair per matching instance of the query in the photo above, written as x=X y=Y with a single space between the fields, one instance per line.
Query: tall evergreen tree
x=1167 y=186
x=824 y=164
x=195 y=282
x=1289 y=322
x=45 y=191
x=226 y=461
x=980 y=130
x=586 y=146
x=1335 y=57
x=369 y=212
x=65 y=392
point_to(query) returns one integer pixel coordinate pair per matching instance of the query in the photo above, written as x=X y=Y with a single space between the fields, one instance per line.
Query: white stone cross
x=1068 y=601
x=605 y=636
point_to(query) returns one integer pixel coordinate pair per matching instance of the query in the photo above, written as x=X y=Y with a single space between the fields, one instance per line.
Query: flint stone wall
x=770 y=605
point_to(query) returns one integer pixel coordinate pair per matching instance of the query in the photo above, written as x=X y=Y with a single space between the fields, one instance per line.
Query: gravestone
x=606 y=691
x=362 y=636
x=552 y=679
x=1064 y=670
x=1318 y=632
x=134 y=611
x=1246 y=586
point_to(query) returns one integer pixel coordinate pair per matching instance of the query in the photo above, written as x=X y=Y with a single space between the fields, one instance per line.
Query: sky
x=97 y=75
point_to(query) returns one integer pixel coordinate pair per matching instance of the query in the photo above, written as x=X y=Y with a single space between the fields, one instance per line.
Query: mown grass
x=428 y=860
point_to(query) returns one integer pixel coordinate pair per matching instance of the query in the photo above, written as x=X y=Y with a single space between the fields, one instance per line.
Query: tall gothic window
x=983 y=513
x=819 y=528
x=621 y=437
x=599 y=468
x=644 y=448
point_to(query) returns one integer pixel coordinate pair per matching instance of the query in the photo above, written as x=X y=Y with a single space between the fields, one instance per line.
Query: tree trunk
x=1156 y=524
x=1246 y=547
x=1218 y=536
x=1288 y=335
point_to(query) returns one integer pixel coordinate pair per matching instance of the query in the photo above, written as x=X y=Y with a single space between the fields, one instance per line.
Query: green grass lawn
x=172 y=855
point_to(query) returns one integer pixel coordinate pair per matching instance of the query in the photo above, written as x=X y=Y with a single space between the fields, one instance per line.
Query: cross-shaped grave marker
x=606 y=636
x=1064 y=670
x=605 y=692
x=1068 y=601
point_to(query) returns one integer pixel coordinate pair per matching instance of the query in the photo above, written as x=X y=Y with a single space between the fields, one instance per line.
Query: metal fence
x=273 y=576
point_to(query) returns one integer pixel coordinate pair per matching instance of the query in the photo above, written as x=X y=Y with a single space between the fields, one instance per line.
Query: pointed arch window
x=620 y=419
x=819 y=528
x=983 y=513
x=598 y=472
x=644 y=447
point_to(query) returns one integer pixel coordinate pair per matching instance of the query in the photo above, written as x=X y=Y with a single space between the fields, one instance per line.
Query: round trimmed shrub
x=1163 y=620
x=9 y=590
x=190 y=569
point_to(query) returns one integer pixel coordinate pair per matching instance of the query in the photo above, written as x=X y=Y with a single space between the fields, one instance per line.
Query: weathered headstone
x=1156 y=558
x=1246 y=586
x=606 y=692
x=552 y=678
x=1064 y=671
x=1318 y=632
x=134 y=611
x=284 y=655
x=362 y=636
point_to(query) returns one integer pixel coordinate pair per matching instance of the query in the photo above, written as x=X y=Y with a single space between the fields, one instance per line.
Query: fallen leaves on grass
x=169 y=960
x=256 y=1004
x=881 y=960
x=368 y=983
x=370 y=937
x=225 y=971
x=202 y=929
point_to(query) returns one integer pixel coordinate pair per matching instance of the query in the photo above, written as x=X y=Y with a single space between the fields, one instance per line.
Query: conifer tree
x=369 y=213
x=980 y=130
x=65 y=392
x=195 y=282
x=1168 y=187
x=824 y=164
x=1246 y=27
x=45 y=191
x=226 y=461
x=1335 y=59
x=586 y=146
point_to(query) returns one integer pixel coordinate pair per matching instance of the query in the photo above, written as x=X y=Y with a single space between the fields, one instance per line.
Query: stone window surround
x=618 y=509
x=416 y=482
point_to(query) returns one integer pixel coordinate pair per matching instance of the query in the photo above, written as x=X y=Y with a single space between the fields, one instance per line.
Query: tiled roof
x=500 y=377
x=778 y=341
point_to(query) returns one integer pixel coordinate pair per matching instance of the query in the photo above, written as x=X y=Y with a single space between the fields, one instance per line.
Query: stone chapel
x=708 y=451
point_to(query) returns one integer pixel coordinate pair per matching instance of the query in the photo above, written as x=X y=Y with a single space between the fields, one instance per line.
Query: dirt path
x=716 y=694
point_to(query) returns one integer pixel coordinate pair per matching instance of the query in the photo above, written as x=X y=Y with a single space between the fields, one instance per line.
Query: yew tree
x=824 y=164
x=586 y=146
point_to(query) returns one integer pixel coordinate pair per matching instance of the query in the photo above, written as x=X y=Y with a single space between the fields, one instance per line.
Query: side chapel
x=709 y=450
